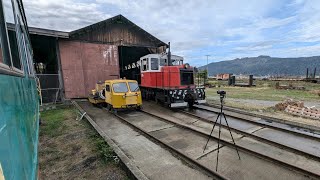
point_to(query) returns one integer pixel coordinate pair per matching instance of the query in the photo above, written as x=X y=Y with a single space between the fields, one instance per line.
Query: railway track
x=171 y=148
x=259 y=138
x=215 y=109
x=198 y=132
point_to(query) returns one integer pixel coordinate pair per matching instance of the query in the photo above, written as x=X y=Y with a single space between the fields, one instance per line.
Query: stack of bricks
x=311 y=113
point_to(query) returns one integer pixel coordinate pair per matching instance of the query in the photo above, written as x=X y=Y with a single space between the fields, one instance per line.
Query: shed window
x=154 y=63
x=108 y=88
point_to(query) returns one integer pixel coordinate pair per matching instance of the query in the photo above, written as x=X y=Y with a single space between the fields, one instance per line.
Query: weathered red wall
x=84 y=64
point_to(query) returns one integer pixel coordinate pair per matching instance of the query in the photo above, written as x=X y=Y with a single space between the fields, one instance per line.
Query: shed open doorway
x=46 y=66
x=129 y=55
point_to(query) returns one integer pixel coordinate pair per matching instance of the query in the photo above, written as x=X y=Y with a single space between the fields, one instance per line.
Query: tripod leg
x=219 y=115
x=231 y=134
x=218 y=144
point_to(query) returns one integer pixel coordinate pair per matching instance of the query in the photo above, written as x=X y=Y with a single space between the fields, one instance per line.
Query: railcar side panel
x=19 y=127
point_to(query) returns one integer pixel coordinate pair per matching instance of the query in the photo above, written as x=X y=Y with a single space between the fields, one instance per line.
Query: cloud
x=253 y=48
x=224 y=29
x=66 y=15
x=309 y=21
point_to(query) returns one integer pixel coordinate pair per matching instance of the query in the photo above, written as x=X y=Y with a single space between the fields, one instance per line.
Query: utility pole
x=207 y=66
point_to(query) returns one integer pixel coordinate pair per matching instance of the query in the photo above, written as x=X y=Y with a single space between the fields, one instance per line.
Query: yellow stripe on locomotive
x=117 y=94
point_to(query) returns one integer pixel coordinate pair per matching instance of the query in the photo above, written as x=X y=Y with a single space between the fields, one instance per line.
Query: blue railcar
x=19 y=102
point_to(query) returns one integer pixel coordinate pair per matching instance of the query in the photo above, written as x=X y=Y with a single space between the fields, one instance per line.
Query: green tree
x=202 y=76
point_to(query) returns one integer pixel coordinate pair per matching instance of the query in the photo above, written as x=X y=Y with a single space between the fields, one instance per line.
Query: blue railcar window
x=4 y=50
x=9 y=16
x=120 y=87
x=14 y=49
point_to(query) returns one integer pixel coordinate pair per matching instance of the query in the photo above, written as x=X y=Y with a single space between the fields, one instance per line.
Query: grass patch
x=106 y=153
x=265 y=90
x=53 y=121
x=72 y=149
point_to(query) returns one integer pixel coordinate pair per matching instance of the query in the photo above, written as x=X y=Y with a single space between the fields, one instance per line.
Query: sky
x=223 y=29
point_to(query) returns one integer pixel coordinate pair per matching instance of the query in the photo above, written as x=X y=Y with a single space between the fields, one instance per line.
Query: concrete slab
x=292 y=126
x=280 y=154
x=190 y=122
x=235 y=123
x=150 y=106
x=248 y=168
x=143 y=121
x=184 y=141
x=154 y=161
x=301 y=143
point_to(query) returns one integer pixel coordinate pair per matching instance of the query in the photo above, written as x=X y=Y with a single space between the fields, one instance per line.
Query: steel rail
x=244 y=149
x=172 y=149
x=261 y=124
x=268 y=141
x=278 y=120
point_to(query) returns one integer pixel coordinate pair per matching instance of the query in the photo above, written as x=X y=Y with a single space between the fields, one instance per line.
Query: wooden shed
x=98 y=52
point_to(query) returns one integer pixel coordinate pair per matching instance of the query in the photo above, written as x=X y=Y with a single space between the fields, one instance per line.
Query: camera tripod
x=220 y=114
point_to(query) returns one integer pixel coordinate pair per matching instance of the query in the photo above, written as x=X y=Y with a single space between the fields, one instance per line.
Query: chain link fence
x=50 y=88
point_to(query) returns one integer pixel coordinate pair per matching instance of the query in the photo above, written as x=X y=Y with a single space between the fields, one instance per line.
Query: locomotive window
x=186 y=77
x=163 y=62
x=108 y=88
x=154 y=63
x=120 y=87
x=133 y=87
x=145 y=65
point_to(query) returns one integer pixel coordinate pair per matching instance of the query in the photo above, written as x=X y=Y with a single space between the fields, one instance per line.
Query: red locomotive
x=166 y=79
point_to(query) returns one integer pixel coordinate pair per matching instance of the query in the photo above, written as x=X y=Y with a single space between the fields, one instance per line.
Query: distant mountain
x=266 y=65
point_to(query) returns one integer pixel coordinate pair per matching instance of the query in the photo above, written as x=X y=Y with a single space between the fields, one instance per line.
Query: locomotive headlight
x=186 y=66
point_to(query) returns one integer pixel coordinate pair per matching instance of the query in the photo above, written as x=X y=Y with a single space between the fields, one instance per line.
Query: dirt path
x=71 y=149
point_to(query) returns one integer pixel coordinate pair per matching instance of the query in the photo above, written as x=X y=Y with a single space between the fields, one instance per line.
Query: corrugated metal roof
x=44 y=32
x=116 y=19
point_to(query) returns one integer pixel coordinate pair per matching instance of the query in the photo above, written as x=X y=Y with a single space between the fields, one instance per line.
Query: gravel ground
x=266 y=108
x=262 y=103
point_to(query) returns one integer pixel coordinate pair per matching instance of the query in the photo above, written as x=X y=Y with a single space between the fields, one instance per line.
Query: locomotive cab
x=169 y=82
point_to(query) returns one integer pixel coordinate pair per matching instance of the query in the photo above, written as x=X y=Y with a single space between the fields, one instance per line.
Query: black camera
x=221 y=92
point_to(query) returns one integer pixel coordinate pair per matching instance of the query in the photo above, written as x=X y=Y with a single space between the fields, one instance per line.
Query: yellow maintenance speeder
x=117 y=94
